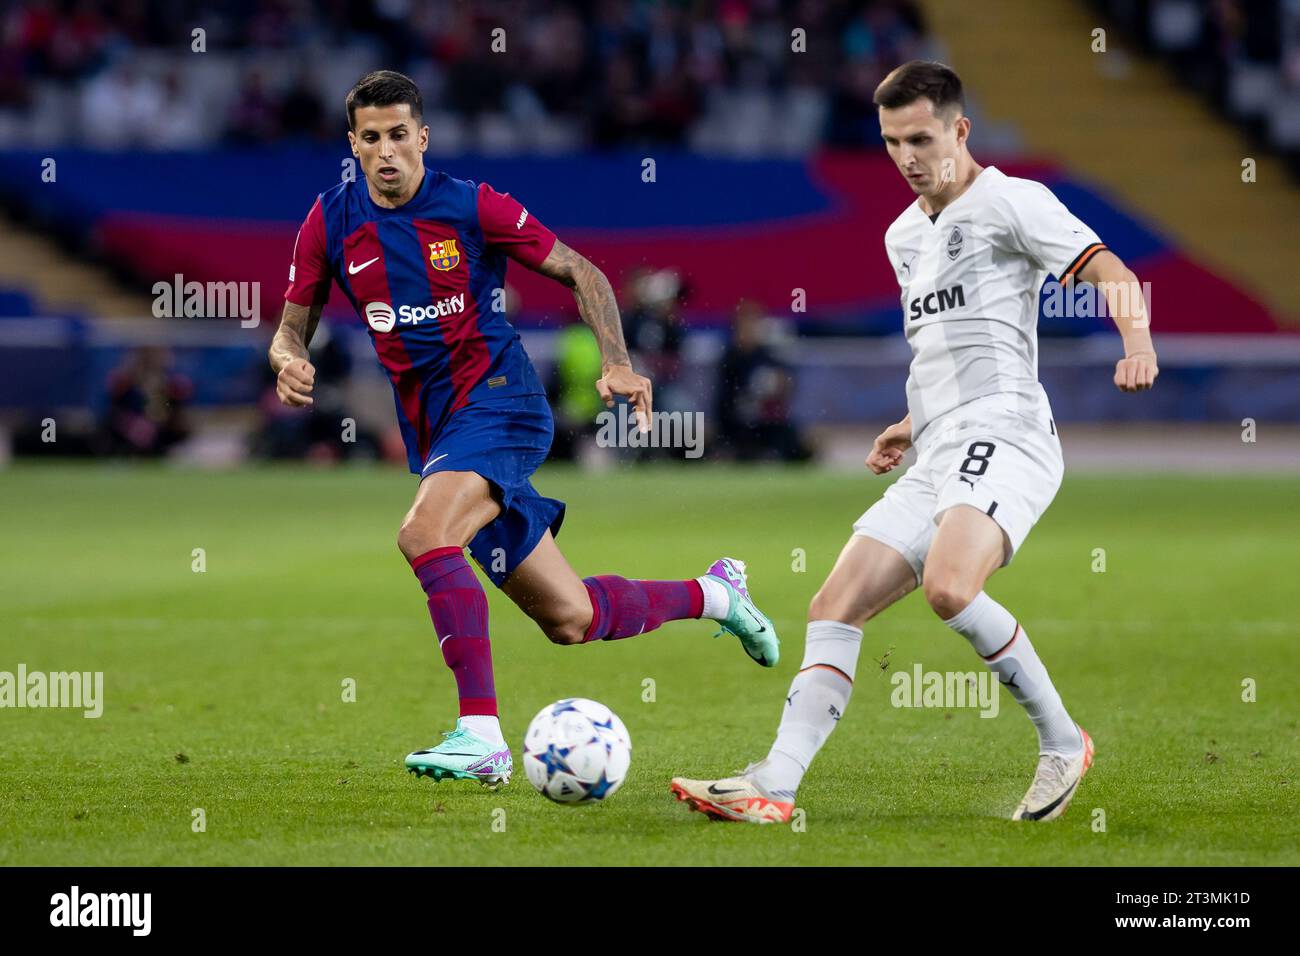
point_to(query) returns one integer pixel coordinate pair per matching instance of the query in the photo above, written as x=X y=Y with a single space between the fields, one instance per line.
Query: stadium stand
x=1133 y=131
x=769 y=181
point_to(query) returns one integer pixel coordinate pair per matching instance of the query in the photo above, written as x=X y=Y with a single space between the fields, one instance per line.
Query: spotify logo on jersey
x=380 y=315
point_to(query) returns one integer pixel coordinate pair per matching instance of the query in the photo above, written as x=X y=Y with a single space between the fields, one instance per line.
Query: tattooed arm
x=289 y=359
x=598 y=308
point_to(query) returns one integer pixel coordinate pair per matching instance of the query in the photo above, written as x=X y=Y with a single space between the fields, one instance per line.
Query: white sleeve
x=1040 y=227
x=895 y=261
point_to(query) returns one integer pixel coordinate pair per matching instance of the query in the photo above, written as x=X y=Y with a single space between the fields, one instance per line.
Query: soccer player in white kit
x=970 y=256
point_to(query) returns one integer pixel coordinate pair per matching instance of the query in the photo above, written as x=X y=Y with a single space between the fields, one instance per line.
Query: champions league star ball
x=576 y=751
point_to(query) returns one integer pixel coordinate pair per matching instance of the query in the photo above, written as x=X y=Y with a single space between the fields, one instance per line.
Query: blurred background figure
x=755 y=390
x=655 y=332
x=575 y=367
x=146 y=409
x=253 y=116
x=653 y=326
x=326 y=432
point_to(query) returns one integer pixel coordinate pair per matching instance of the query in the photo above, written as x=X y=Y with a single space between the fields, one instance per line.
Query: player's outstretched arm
x=295 y=374
x=1137 y=370
x=599 y=309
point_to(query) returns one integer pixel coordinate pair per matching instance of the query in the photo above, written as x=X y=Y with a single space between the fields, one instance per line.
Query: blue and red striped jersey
x=428 y=278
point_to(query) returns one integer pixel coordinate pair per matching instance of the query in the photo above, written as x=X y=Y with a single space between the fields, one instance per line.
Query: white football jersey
x=970 y=282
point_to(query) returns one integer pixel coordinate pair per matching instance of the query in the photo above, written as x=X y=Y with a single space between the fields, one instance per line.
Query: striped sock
x=459 y=611
x=1003 y=644
x=622 y=608
x=818 y=695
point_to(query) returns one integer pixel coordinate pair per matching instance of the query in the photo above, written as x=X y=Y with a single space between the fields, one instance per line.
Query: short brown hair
x=921 y=78
x=383 y=88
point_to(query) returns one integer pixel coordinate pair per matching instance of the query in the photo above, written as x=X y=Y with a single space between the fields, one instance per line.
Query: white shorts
x=992 y=453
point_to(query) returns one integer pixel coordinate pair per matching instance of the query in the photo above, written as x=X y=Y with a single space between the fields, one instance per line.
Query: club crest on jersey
x=444 y=255
x=954 y=243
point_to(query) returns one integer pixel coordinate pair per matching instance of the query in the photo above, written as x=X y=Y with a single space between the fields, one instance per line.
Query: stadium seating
x=735 y=229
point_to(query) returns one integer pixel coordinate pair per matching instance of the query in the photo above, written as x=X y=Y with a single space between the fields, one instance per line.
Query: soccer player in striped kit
x=970 y=256
x=422 y=258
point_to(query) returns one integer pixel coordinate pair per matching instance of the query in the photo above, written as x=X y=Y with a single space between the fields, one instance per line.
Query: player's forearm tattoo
x=595 y=298
x=297 y=326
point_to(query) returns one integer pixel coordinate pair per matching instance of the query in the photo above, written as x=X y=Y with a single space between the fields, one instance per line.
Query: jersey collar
x=421 y=194
x=984 y=174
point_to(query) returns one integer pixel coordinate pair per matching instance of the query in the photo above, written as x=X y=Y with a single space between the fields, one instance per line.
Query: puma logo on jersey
x=941 y=300
x=523 y=218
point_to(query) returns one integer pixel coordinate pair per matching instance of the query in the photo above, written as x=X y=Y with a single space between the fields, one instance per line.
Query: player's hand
x=621 y=380
x=1136 y=372
x=293 y=384
x=887 y=452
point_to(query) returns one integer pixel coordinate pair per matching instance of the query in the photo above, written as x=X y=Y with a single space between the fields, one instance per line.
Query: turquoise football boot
x=755 y=630
x=463 y=756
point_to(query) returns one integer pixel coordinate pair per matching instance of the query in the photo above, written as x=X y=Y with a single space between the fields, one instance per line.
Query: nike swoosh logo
x=713 y=789
x=353 y=268
x=434 y=462
x=445 y=753
x=1053 y=805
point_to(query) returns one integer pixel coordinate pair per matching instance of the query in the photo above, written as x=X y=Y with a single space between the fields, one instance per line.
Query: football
x=576 y=751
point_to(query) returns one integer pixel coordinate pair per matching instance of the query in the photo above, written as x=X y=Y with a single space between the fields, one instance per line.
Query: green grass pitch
x=223 y=689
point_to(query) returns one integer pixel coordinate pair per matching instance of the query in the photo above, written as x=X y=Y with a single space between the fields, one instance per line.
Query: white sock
x=818 y=695
x=485 y=727
x=1005 y=647
x=717 y=600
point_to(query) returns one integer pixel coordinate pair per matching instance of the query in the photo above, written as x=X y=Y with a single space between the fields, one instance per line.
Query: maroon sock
x=622 y=608
x=459 y=610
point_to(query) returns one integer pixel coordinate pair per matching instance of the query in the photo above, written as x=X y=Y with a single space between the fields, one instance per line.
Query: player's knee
x=563 y=623
x=420 y=533
x=563 y=631
x=411 y=539
x=947 y=595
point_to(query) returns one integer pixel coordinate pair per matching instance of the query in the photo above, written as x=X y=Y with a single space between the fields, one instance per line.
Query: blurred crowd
x=1243 y=56
x=721 y=75
x=742 y=388
x=747 y=390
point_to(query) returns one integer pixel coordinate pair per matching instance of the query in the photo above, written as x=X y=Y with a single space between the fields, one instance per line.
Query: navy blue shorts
x=505 y=440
